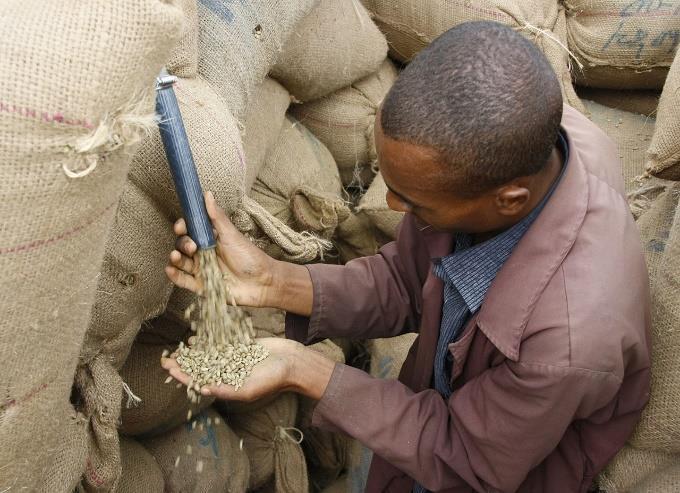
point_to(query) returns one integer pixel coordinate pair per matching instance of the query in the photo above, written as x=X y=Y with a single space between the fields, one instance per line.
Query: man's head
x=468 y=128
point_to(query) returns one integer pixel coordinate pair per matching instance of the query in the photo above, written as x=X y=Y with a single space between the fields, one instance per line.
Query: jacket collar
x=512 y=296
x=518 y=285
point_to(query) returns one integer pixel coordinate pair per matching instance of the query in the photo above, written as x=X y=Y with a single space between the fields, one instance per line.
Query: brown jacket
x=549 y=376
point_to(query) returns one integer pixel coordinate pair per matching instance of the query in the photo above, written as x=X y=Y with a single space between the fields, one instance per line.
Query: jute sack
x=74 y=102
x=326 y=452
x=630 y=467
x=632 y=133
x=338 y=486
x=640 y=101
x=163 y=406
x=664 y=152
x=388 y=355
x=202 y=456
x=272 y=444
x=133 y=286
x=411 y=25
x=239 y=42
x=183 y=60
x=263 y=122
x=659 y=426
x=622 y=43
x=336 y=44
x=359 y=462
x=374 y=205
x=343 y=121
x=666 y=480
x=140 y=471
x=300 y=185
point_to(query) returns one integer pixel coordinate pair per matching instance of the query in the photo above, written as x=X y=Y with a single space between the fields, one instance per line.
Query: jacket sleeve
x=369 y=297
x=488 y=436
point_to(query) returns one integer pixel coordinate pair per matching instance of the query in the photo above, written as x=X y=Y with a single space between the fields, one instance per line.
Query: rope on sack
x=122 y=128
x=552 y=37
x=357 y=11
x=291 y=433
x=297 y=247
x=132 y=399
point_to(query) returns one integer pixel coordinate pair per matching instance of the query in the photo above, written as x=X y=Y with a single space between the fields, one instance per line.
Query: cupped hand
x=270 y=376
x=249 y=268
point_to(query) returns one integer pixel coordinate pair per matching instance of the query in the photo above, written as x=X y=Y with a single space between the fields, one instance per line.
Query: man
x=517 y=262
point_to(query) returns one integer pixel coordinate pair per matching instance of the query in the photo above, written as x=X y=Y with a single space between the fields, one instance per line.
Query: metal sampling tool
x=182 y=167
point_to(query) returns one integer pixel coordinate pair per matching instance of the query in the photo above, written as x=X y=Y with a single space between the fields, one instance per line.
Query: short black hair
x=485 y=99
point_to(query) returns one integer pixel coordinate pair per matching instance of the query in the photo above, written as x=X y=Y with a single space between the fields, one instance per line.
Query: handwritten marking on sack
x=43 y=116
x=92 y=474
x=210 y=438
x=223 y=8
x=630 y=34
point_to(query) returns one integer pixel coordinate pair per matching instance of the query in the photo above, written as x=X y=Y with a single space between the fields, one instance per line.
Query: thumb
x=225 y=228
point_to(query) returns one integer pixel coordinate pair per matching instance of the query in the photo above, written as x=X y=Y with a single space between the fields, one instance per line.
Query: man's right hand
x=256 y=279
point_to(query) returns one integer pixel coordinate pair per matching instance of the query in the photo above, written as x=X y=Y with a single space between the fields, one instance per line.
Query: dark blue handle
x=178 y=152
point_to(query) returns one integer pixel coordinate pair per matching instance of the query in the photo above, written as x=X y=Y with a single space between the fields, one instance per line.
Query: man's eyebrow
x=405 y=199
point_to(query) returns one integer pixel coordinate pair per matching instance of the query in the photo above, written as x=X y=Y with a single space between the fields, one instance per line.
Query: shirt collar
x=472 y=268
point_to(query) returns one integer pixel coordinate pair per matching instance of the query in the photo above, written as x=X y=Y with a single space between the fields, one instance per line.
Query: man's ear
x=511 y=199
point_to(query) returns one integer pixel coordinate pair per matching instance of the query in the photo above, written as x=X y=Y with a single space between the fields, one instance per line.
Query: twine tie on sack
x=132 y=399
x=124 y=127
x=550 y=36
x=289 y=432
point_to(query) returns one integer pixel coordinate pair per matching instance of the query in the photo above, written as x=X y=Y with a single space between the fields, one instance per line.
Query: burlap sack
x=326 y=452
x=74 y=102
x=664 y=152
x=630 y=467
x=203 y=457
x=410 y=25
x=272 y=444
x=140 y=471
x=163 y=405
x=640 y=101
x=374 y=205
x=338 y=486
x=622 y=43
x=238 y=42
x=333 y=46
x=659 y=426
x=300 y=186
x=183 y=60
x=632 y=134
x=263 y=122
x=387 y=355
x=343 y=121
x=666 y=480
x=359 y=462
x=133 y=286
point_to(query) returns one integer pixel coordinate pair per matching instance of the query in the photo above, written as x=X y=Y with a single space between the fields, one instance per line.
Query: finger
x=224 y=392
x=182 y=279
x=180 y=227
x=182 y=262
x=168 y=363
x=180 y=376
x=224 y=227
x=186 y=245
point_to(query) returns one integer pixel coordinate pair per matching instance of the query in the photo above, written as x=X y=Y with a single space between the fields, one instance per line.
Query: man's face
x=414 y=178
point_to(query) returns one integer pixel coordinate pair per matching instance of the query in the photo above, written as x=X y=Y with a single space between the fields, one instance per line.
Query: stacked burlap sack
x=76 y=96
x=647 y=463
x=224 y=98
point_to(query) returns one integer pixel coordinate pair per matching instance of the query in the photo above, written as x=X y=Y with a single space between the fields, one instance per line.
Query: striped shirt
x=467 y=274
